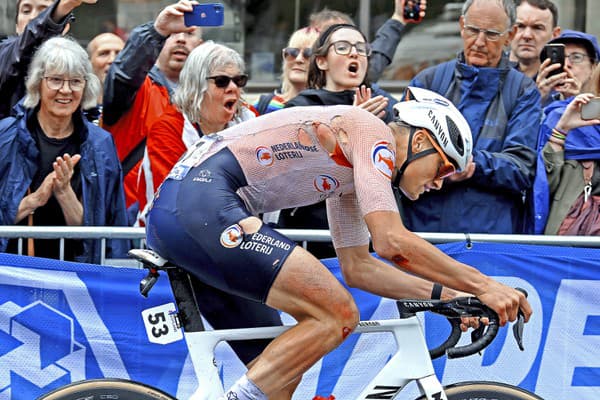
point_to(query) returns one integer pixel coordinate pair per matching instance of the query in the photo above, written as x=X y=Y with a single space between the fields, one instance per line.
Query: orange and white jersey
x=303 y=155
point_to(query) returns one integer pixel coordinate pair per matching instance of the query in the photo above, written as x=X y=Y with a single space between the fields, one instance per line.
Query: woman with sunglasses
x=208 y=99
x=295 y=71
x=337 y=75
x=58 y=169
x=204 y=221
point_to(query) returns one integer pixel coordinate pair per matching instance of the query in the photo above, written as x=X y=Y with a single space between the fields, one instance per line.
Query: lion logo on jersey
x=232 y=236
x=383 y=158
x=264 y=156
x=325 y=183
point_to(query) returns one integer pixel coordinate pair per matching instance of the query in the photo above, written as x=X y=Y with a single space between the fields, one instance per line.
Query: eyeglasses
x=577 y=58
x=293 y=52
x=446 y=168
x=343 y=48
x=57 y=83
x=490 y=34
x=222 y=81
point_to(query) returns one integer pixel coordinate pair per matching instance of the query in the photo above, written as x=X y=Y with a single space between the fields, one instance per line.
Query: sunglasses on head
x=446 y=168
x=222 y=81
x=293 y=52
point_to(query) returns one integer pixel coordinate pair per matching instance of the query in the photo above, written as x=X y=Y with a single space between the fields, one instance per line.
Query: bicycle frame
x=410 y=362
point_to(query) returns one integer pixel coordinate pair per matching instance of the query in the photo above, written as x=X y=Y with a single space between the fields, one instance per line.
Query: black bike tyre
x=486 y=391
x=121 y=389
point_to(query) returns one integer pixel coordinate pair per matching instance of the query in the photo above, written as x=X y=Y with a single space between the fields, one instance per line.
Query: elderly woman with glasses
x=57 y=168
x=208 y=99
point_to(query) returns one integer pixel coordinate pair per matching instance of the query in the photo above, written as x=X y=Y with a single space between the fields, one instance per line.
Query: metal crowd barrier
x=137 y=235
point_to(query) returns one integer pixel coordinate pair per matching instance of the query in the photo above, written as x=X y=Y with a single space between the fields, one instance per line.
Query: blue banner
x=62 y=322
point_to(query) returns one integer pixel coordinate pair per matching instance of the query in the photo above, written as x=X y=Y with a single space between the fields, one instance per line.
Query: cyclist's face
x=420 y=175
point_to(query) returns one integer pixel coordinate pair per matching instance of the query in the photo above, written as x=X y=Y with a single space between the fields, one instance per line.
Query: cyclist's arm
x=361 y=270
x=392 y=241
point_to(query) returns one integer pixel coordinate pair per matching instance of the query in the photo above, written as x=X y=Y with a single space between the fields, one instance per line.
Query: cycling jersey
x=272 y=162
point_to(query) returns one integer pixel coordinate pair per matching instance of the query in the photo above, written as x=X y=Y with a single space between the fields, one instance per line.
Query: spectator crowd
x=87 y=136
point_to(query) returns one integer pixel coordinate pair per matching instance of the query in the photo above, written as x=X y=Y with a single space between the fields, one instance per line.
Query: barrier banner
x=62 y=322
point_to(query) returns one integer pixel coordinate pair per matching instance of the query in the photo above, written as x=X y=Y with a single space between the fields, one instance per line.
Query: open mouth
x=353 y=68
x=230 y=105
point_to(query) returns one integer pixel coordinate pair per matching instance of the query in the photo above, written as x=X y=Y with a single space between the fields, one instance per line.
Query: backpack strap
x=588 y=172
x=511 y=89
x=442 y=76
x=263 y=102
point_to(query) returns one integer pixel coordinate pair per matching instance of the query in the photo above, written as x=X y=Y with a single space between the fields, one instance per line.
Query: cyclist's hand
x=506 y=301
x=472 y=322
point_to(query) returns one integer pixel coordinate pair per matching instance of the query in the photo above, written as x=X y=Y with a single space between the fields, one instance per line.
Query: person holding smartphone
x=569 y=144
x=581 y=54
x=140 y=82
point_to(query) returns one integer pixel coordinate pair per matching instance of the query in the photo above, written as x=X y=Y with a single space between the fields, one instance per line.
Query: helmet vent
x=454 y=133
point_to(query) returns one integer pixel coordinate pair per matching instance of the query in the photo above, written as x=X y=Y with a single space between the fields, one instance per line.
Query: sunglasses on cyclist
x=222 y=81
x=343 y=48
x=291 y=53
x=446 y=168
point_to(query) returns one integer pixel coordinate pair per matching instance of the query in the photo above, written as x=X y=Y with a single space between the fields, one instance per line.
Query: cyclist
x=204 y=220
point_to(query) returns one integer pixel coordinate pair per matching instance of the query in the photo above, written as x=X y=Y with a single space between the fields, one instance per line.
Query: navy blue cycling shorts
x=194 y=223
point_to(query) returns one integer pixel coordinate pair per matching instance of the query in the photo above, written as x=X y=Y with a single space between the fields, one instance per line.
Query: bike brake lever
x=519 y=325
x=518 y=330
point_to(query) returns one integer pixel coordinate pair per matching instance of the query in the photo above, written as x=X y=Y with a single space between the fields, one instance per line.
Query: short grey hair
x=202 y=62
x=508 y=5
x=61 y=56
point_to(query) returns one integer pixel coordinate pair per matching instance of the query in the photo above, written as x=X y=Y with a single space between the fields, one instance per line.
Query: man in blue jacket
x=503 y=109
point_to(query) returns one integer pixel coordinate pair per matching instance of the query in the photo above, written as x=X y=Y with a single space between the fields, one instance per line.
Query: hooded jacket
x=504 y=151
x=559 y=177
x=16 y=53
x=102 y=189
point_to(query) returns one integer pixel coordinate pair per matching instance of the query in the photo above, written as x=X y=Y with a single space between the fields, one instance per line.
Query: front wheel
x=486 y=391
x=121 y=389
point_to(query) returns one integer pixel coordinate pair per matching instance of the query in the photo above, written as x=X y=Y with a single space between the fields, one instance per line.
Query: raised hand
x=170 y=19
x=375 y=105
x=547 y=83
x=571 y=118
x=399 y=10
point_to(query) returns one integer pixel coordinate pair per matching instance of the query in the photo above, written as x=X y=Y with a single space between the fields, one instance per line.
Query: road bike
x=412 y=360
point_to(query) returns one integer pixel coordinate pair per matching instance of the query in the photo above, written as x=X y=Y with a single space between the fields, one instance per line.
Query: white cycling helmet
x=423 y=108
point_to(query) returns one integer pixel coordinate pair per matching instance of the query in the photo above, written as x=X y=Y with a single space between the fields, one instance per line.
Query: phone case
x=205 y=15
x=556 y=53
x=591 y=110
x=411 y=10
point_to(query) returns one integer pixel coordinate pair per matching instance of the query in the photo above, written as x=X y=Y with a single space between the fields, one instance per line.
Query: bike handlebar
x=453 y=310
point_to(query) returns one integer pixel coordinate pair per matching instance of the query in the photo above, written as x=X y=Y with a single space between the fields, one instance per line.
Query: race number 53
x=161 y=324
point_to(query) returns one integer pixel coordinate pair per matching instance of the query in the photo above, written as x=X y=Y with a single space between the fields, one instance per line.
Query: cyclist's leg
x=325 y=312
x=226 y=311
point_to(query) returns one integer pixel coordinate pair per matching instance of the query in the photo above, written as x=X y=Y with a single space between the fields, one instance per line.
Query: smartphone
x=556 y=53
x=591 y=110
x=210 y=14
x=411 y=10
